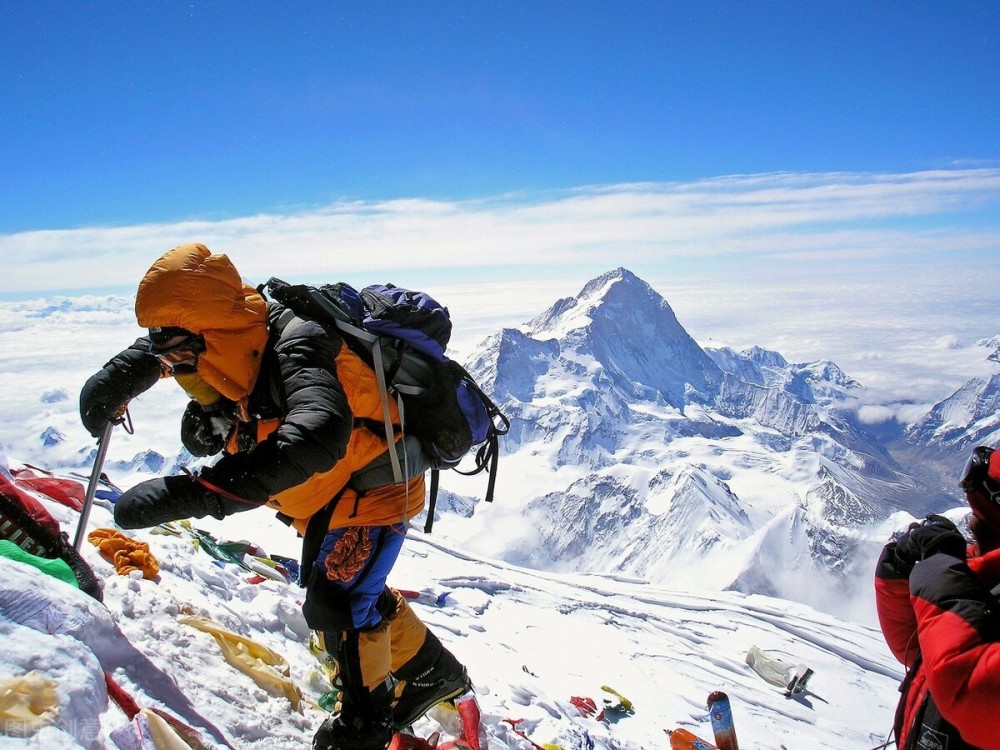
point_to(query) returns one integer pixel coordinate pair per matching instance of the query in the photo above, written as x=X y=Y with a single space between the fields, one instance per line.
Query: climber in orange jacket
x=292 y=409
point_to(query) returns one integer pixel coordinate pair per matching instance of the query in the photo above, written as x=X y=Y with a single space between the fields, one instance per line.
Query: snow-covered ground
x=532 y=640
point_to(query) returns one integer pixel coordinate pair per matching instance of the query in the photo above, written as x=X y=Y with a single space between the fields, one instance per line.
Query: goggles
x=976 y=477
x=176 y=349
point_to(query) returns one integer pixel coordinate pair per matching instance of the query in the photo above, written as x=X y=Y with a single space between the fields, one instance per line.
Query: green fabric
x=221 y=551
x=56 y=568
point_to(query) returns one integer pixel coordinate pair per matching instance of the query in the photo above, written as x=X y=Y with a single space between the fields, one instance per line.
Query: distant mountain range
x=669 y=461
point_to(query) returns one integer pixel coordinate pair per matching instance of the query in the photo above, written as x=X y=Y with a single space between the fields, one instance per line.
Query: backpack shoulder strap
x=314 y=304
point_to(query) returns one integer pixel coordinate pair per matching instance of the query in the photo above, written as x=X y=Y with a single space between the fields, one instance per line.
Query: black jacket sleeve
x=128 y=374
x=317 y=422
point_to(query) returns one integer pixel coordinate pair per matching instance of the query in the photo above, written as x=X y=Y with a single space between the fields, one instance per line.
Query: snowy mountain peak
x=704 y=510
x=993 y=344
x=966 y=418
x=765 y=357
x=634 y=336
x=619 y=277
x=610 y=293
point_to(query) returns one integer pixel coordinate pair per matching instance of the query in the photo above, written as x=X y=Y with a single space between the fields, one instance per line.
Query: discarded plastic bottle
x=721 y=714
x=682 y=739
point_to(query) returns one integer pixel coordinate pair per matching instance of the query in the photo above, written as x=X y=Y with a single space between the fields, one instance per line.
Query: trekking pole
x=95 y=476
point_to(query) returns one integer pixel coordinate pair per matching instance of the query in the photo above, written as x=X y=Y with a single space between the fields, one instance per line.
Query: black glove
x=157 y=501
x=933 y=535
x=107 y=392
x=102 y=397
x=237 y=475
x=205 y=430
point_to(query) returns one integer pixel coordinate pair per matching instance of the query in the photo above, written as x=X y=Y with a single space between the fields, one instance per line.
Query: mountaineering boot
x=432 y=676
x=363 y=723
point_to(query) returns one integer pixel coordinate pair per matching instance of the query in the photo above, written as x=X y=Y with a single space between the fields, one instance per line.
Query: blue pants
x=354 y=563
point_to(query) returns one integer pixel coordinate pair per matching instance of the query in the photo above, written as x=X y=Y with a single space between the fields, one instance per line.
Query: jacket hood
x=190 y=287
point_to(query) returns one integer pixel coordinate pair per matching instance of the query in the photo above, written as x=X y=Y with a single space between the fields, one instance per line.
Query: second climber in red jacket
x=937 y=601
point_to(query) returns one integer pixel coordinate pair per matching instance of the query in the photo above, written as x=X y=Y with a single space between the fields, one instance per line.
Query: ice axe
x=95 y=475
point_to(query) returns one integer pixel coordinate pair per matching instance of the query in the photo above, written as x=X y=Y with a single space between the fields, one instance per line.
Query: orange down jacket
x=302 y=393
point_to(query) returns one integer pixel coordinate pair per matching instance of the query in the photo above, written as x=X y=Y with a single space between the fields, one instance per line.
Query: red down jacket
x=943 y=624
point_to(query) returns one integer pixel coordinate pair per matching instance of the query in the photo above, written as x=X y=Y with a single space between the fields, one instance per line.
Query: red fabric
x=468 y=710
x=64 y=491
x=959 y=668
x=986 y=567
x=125 y=701
x=993 y=470
x=587 y=707
x=30 y=505
x=897 y=618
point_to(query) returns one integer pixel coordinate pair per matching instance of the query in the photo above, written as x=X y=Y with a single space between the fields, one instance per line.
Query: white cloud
x=948 y=342
x=875 y=414
x=783 y=217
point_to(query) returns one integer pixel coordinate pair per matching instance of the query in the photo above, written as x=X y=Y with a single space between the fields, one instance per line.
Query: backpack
x=26 y=523
x=402 y=335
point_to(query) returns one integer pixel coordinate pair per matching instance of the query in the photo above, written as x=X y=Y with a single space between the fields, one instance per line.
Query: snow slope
x=532 y=640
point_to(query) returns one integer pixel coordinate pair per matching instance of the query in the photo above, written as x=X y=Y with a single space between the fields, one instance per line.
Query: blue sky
x=118 y=113
x=729 y=152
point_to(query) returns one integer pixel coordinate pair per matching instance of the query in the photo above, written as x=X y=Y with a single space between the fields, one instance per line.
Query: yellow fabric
x=190 y=735
x=267 y=668
x=381 y=507
x=191 y=288
x=623 y=702
x=163 y=735
x=27 y=703
x=124 y=553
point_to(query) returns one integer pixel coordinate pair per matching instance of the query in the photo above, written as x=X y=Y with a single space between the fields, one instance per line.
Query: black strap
x=486 y=460
x=351 y=676
x=432 y=499
x=494 y=442
x=312 y=540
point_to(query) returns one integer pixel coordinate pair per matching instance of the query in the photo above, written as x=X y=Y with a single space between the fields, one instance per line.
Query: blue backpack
x=403 y=335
